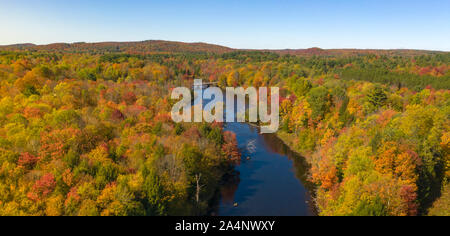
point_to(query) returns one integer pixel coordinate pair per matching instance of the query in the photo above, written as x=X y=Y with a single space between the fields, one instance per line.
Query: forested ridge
x=89 y=133
x=161 y=46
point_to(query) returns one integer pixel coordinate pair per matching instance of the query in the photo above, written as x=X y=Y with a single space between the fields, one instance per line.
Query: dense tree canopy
x=89 y=133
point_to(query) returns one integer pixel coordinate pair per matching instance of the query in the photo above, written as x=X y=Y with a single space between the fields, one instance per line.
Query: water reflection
x=301 y=166
x=271 y=182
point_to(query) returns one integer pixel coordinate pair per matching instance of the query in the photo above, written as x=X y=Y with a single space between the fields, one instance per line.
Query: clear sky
x=262 y=24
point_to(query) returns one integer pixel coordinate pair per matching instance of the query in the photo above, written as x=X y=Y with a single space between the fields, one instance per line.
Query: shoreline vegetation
x=85 y=129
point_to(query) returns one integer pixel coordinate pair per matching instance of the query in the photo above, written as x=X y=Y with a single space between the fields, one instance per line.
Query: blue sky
x=271 y=24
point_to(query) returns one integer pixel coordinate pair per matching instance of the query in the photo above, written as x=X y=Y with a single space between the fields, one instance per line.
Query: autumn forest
x=85 y=129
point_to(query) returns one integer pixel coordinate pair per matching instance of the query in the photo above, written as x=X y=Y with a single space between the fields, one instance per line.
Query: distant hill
x=143 y=47
x=159 y=46
x=353 y=52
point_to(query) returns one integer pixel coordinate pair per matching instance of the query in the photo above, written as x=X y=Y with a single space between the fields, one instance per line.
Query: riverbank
x=269 y=171
x=289 y=140
x=442 y=206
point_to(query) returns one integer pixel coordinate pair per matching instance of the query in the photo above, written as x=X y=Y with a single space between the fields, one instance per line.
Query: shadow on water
x=271 y=180
x=301 y=166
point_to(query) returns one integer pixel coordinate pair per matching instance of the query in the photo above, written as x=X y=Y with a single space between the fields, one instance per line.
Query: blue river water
x=272 y=179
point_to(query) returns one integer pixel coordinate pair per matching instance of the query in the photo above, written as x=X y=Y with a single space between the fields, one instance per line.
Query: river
x=270 y=181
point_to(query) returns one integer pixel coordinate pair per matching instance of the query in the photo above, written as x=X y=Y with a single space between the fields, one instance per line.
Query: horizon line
x=221 y=45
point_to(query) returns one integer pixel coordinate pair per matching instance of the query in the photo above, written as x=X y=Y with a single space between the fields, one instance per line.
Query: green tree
x=377 y=97
x=320 y=101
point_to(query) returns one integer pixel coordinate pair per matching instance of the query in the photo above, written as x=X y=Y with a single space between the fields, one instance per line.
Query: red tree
x=230 y=147
x=130 y=98
x=43 y=187
x=27 y=160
